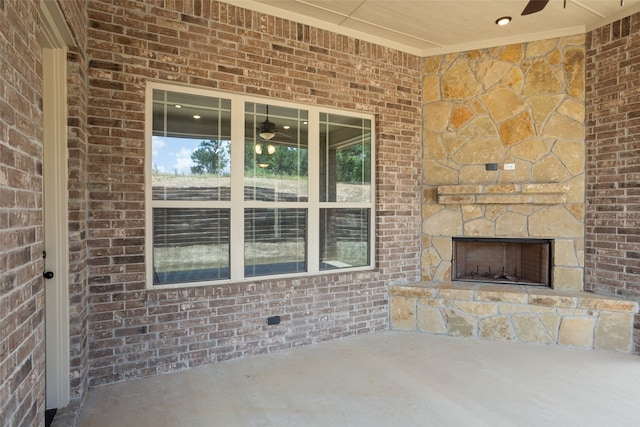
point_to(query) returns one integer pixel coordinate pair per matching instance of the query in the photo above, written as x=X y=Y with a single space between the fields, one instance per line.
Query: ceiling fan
x=537 y=5
x=268 y=130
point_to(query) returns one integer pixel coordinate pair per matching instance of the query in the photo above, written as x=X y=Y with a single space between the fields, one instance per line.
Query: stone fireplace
x=504 y=161
x=504 y=261
x=518 y=105
x=502 y=213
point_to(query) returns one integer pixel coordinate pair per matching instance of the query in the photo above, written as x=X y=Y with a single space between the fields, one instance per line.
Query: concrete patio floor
x=385 y=379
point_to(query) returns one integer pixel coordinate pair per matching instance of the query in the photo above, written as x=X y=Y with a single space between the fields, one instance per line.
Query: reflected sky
x=173 y=155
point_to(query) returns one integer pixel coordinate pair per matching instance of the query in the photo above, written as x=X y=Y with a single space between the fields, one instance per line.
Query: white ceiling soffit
x=434 y=27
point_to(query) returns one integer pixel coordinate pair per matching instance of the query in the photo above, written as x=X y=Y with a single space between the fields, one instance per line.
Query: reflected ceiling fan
x=268 y=130
x=535 y=6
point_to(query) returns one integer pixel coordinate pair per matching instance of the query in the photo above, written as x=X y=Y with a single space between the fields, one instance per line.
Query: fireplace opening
x=509 y=261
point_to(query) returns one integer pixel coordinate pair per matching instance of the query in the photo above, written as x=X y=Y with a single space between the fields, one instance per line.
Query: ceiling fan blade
x=284 y=136
x=534 y=6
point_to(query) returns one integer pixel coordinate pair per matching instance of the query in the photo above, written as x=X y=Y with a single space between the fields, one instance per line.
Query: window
x=345 y=186
x=242 y=188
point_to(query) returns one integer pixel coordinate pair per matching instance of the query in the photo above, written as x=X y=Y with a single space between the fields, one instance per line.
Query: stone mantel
x=536 y=194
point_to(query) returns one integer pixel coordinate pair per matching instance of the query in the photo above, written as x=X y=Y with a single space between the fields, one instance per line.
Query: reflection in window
x=276 y=153
x=274 y=241
x=190 y=245
x=344 y=238
x=209 y=222
x=191 y=147
x=345 y=158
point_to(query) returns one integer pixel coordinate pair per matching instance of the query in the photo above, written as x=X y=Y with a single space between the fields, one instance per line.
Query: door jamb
x=55 y=38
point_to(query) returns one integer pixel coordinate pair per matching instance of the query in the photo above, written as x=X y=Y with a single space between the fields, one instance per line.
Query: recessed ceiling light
x=195 y=116
x=503 y=20
x=286 y=127
x=178 y=106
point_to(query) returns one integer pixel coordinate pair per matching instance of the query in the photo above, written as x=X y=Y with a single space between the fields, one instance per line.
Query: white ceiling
x=433 y=27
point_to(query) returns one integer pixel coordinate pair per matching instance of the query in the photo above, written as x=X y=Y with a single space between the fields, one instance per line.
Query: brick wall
x=21 y=282
x=612 y=248
x=76 y=14
x=135 y=332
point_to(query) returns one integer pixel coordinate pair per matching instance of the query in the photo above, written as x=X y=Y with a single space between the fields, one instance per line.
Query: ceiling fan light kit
x=270 y=149
x=268 y=130
x=267 y=135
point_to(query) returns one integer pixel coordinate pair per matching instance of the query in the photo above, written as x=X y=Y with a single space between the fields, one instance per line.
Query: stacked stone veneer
x=516 y=313
x=522 y=104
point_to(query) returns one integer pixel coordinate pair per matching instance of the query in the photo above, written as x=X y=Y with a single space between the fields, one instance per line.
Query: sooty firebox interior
x=510 y=261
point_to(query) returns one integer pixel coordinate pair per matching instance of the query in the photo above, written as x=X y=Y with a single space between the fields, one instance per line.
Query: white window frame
x=237 y=204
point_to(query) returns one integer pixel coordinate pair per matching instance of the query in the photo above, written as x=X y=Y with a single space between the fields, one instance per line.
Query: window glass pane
x=276 y=153
x=191 y=147
x=344 y=238
x=345 y=159
x=274 y=241
x=190 y=245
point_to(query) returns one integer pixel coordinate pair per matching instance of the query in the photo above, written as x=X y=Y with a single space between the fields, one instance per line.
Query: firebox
x=509 y=261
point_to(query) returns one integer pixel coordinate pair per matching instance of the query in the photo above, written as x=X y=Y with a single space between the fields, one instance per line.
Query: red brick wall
x=77 y=84
x=21 y=282
x=612 y=247
x=135 y=332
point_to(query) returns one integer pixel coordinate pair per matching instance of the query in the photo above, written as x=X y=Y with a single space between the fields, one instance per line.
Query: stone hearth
x=515 y=313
